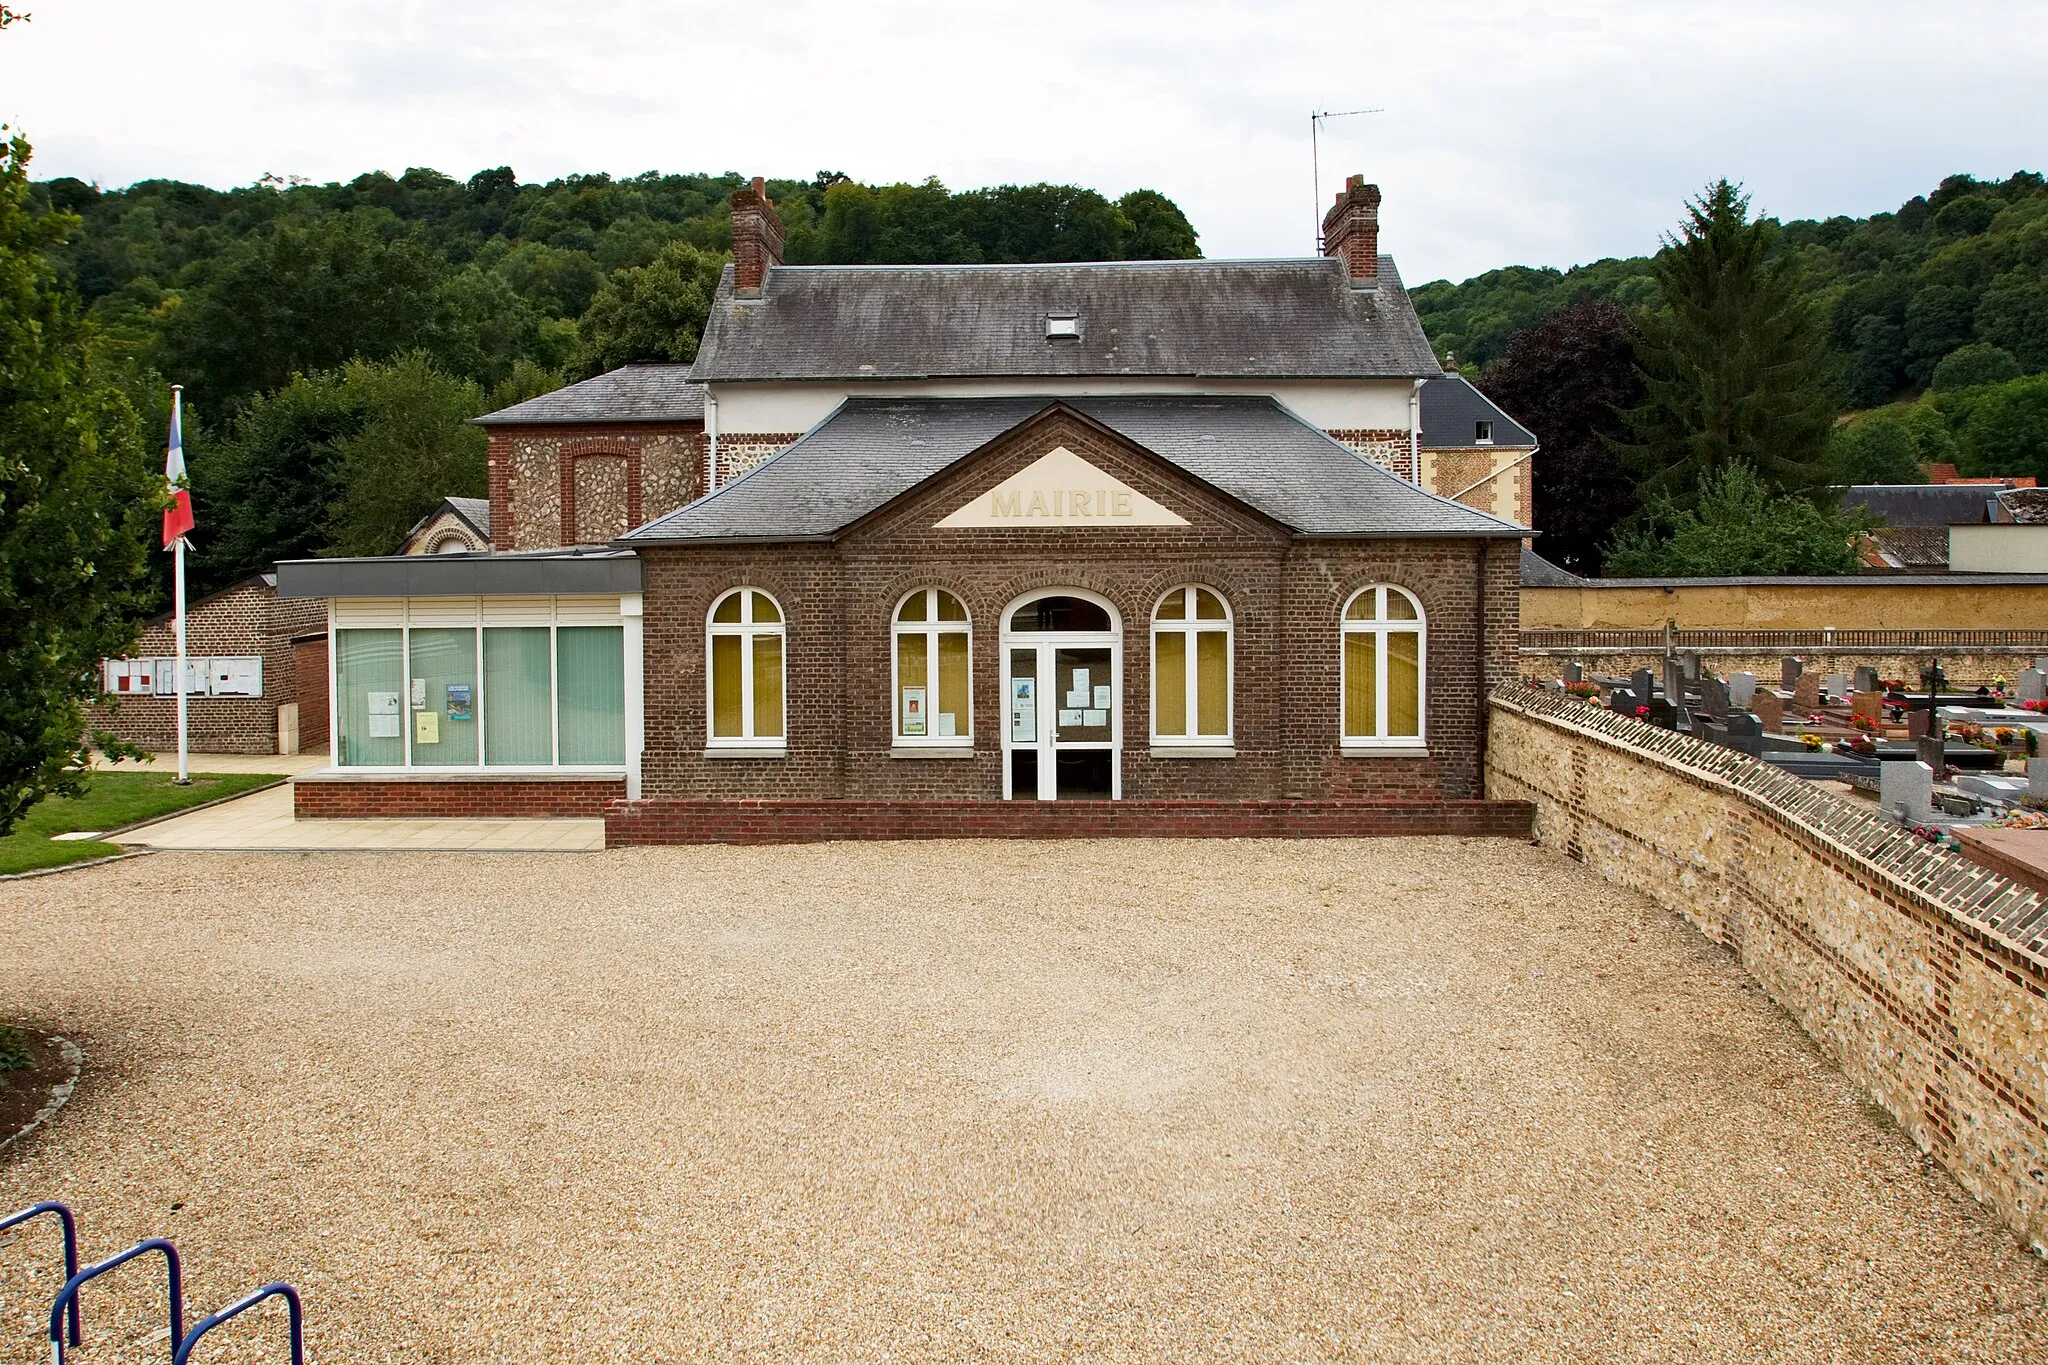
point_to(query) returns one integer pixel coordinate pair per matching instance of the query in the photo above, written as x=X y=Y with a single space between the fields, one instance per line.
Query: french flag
x=178 y=516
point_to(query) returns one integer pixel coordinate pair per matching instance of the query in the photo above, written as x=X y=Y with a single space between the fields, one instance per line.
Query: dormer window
x=1482 y=433
x=1059 y=325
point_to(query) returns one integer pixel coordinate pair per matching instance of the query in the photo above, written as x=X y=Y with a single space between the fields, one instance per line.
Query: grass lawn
x=114 y=800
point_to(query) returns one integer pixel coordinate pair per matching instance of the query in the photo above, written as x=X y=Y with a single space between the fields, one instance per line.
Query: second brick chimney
x=1351 y=229
x=757 y=238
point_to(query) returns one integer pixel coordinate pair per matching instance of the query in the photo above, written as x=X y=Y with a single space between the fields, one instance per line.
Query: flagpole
x=178 y=607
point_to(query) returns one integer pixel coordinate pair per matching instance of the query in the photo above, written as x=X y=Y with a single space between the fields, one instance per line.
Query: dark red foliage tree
x=1564 y=380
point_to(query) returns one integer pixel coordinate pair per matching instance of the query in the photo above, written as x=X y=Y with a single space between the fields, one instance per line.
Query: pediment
x=1060 y=488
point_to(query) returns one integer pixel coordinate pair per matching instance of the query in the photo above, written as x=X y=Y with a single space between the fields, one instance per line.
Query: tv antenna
x=1315 y=127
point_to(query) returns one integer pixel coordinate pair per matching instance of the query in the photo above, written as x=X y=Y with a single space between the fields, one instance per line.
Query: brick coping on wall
x=1980 y=902
x=683 y=821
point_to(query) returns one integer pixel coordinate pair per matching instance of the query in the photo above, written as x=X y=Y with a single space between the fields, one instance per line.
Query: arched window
x=1383 y=667
x=1191 y=668
x=932 y=688
x=745 y=685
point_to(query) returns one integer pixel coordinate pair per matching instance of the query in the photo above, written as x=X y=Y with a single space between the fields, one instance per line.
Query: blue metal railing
x=243 y=1305
x=66 y=1304
x=69 y=1294
x=70 y=1244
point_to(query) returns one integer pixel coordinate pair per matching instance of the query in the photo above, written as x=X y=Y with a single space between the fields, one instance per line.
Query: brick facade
x=445 y=529
x=1286 y=595
x=1452 y=472
x=1387 y=447
x=558 y=484
x=249 y=618
x=478 y=798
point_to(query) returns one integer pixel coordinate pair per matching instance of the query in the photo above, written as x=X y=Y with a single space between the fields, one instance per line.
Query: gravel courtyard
x=1111 y=1101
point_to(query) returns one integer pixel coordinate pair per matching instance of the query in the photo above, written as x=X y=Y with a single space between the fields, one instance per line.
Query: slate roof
x=475 y=511
x=873 y=449
x=631 y=393
x=1538 y=572
x=1451 y=407
x=1222 y=319
x=1925 y=504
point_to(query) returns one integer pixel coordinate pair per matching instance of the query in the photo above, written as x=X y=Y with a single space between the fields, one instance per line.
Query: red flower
x=1642 y=710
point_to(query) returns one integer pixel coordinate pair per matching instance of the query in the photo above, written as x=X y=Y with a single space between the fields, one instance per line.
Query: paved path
x=1024 y=1102
x=264 y=820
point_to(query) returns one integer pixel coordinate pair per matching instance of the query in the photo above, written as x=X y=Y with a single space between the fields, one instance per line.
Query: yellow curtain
x=1170 y=678
x=1361 y=685
x=1212 y=681
x=952 y=682
x=1404 y=683
x=767 y=687
x=725 y=687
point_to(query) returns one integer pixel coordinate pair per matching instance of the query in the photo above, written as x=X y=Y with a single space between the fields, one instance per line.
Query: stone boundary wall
x=1923 y=975
x=1966 y=668
x=679 y=821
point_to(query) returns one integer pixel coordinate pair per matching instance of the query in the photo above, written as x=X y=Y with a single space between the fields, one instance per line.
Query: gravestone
x=1574 y=671
x=1643 y=685
x=1998 y=787
x=1918 y=723
x=1789 y=670
x=1806 y=694
x=1622 y=701
x=1662 y=714
x=1745 y=733
x=1713 y=697
x=1837 y=686
x=1674 y=682
x=1868 y=705
x=1934 y=753
x=2033 y=685
x=2037 y=778
x=1689 y=664
x=2041 y=664
x=1906 y=791
x=1768 y=710
x=1865 y=679
x=1741 y=690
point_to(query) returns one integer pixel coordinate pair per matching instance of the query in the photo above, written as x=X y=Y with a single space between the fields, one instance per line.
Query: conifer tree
x=1735 y=364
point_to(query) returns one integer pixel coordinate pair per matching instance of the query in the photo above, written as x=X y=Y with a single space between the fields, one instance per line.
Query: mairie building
x=1160 y=547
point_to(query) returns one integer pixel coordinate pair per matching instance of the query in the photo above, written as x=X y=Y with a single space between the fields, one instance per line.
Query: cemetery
x=1963 y=767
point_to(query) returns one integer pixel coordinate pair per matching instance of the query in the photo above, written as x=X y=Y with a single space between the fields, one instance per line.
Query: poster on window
x=384 y=718
x=426 y=727
x=913 y=710
x=458 y=701
x=1023 y=710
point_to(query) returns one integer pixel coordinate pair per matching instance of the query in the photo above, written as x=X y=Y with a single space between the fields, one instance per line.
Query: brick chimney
x=1351 y=229
x=757 y=238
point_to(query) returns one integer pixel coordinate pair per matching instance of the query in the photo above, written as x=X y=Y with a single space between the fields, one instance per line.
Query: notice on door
x=1023 y=710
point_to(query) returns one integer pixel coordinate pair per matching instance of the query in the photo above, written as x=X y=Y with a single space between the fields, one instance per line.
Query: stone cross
x=1789 y=670
x=1866 y=679
x=1741 y=690
x=1806 y=693
x=2033 y=685
x=1769 y=710
x=1906 y=790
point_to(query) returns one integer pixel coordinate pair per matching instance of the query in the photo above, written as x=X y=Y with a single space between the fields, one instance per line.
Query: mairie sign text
x=1060 y=488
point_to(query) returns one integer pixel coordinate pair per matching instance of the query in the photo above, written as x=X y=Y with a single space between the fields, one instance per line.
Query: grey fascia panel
x=606 y=574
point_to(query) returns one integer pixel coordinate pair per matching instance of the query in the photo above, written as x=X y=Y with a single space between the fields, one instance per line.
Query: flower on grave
x=1642 y=713
x=1867 y=724
x=1812 y=742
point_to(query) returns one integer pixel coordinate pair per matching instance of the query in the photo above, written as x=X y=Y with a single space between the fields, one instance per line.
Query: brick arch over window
x=593 y=502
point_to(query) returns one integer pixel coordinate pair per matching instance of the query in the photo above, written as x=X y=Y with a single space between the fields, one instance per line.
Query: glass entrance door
x=1061 y=733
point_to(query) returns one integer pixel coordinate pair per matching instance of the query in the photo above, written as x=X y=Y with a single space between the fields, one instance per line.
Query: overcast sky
x=1545 y=134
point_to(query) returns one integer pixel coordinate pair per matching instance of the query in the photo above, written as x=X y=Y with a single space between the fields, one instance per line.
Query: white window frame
x=747 y=629
x=1380 y=629
x=477 y=615
x=1188 y=628
x=931 y=628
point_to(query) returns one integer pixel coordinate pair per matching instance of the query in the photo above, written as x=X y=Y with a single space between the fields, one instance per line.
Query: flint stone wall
x=1924 y=976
